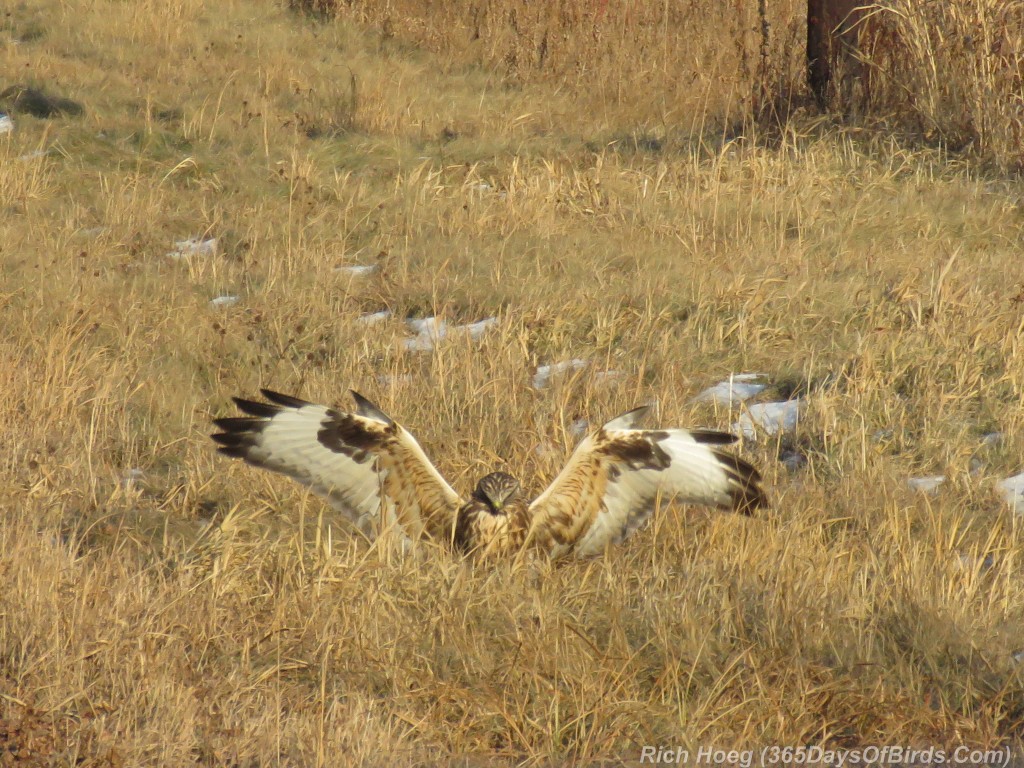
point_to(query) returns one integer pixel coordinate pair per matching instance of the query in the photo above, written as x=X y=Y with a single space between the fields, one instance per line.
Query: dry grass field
x=162 y=605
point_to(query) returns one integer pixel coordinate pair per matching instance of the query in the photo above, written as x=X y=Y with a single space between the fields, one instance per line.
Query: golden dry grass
x=949 y=74
x=206 y=613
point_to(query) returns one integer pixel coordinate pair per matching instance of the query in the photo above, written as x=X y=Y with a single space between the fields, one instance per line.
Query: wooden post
x=832 y=32
x=818 y=71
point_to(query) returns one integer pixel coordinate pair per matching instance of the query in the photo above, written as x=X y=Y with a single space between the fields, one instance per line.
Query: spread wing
x=364 y=464
x=614 y=478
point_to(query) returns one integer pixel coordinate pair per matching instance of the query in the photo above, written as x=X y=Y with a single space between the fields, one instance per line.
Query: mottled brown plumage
x=368 y=466
x=495 y=519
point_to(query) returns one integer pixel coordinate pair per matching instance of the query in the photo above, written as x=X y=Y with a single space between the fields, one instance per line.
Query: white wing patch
x=614 y=478
x=365 y=465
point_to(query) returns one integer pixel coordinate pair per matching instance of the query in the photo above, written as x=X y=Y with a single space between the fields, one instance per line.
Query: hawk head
x=495 y=490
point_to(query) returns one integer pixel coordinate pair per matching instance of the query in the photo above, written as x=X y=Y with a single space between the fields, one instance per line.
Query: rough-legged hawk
x=369 y=467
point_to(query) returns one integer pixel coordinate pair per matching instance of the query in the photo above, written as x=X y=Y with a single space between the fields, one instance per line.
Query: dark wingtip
x=368 y=410
x=225 y=438
x=235 y=435
x=239 y=433
x=286 y=400
x=240 y=423
x=234 y=451
x=713 y=437
x=749 y=499
x=254 y=408
x=630 y=419
x=746 y=493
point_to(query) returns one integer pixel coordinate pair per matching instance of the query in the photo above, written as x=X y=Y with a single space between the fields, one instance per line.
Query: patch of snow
x=223 y=301
x=358 y=270
x=422 y=343
x=1012 y=489
x=770 y=418
x=429 y=330
x=193 y=246
x=545 y=372
x=427 y=326
x=736 y=389
x=929 y=484
x=477 y=329
x=374 y=317
x=6 y=124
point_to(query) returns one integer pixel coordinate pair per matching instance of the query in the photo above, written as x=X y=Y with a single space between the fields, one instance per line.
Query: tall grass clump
x=950 y=72
x=945 y=73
